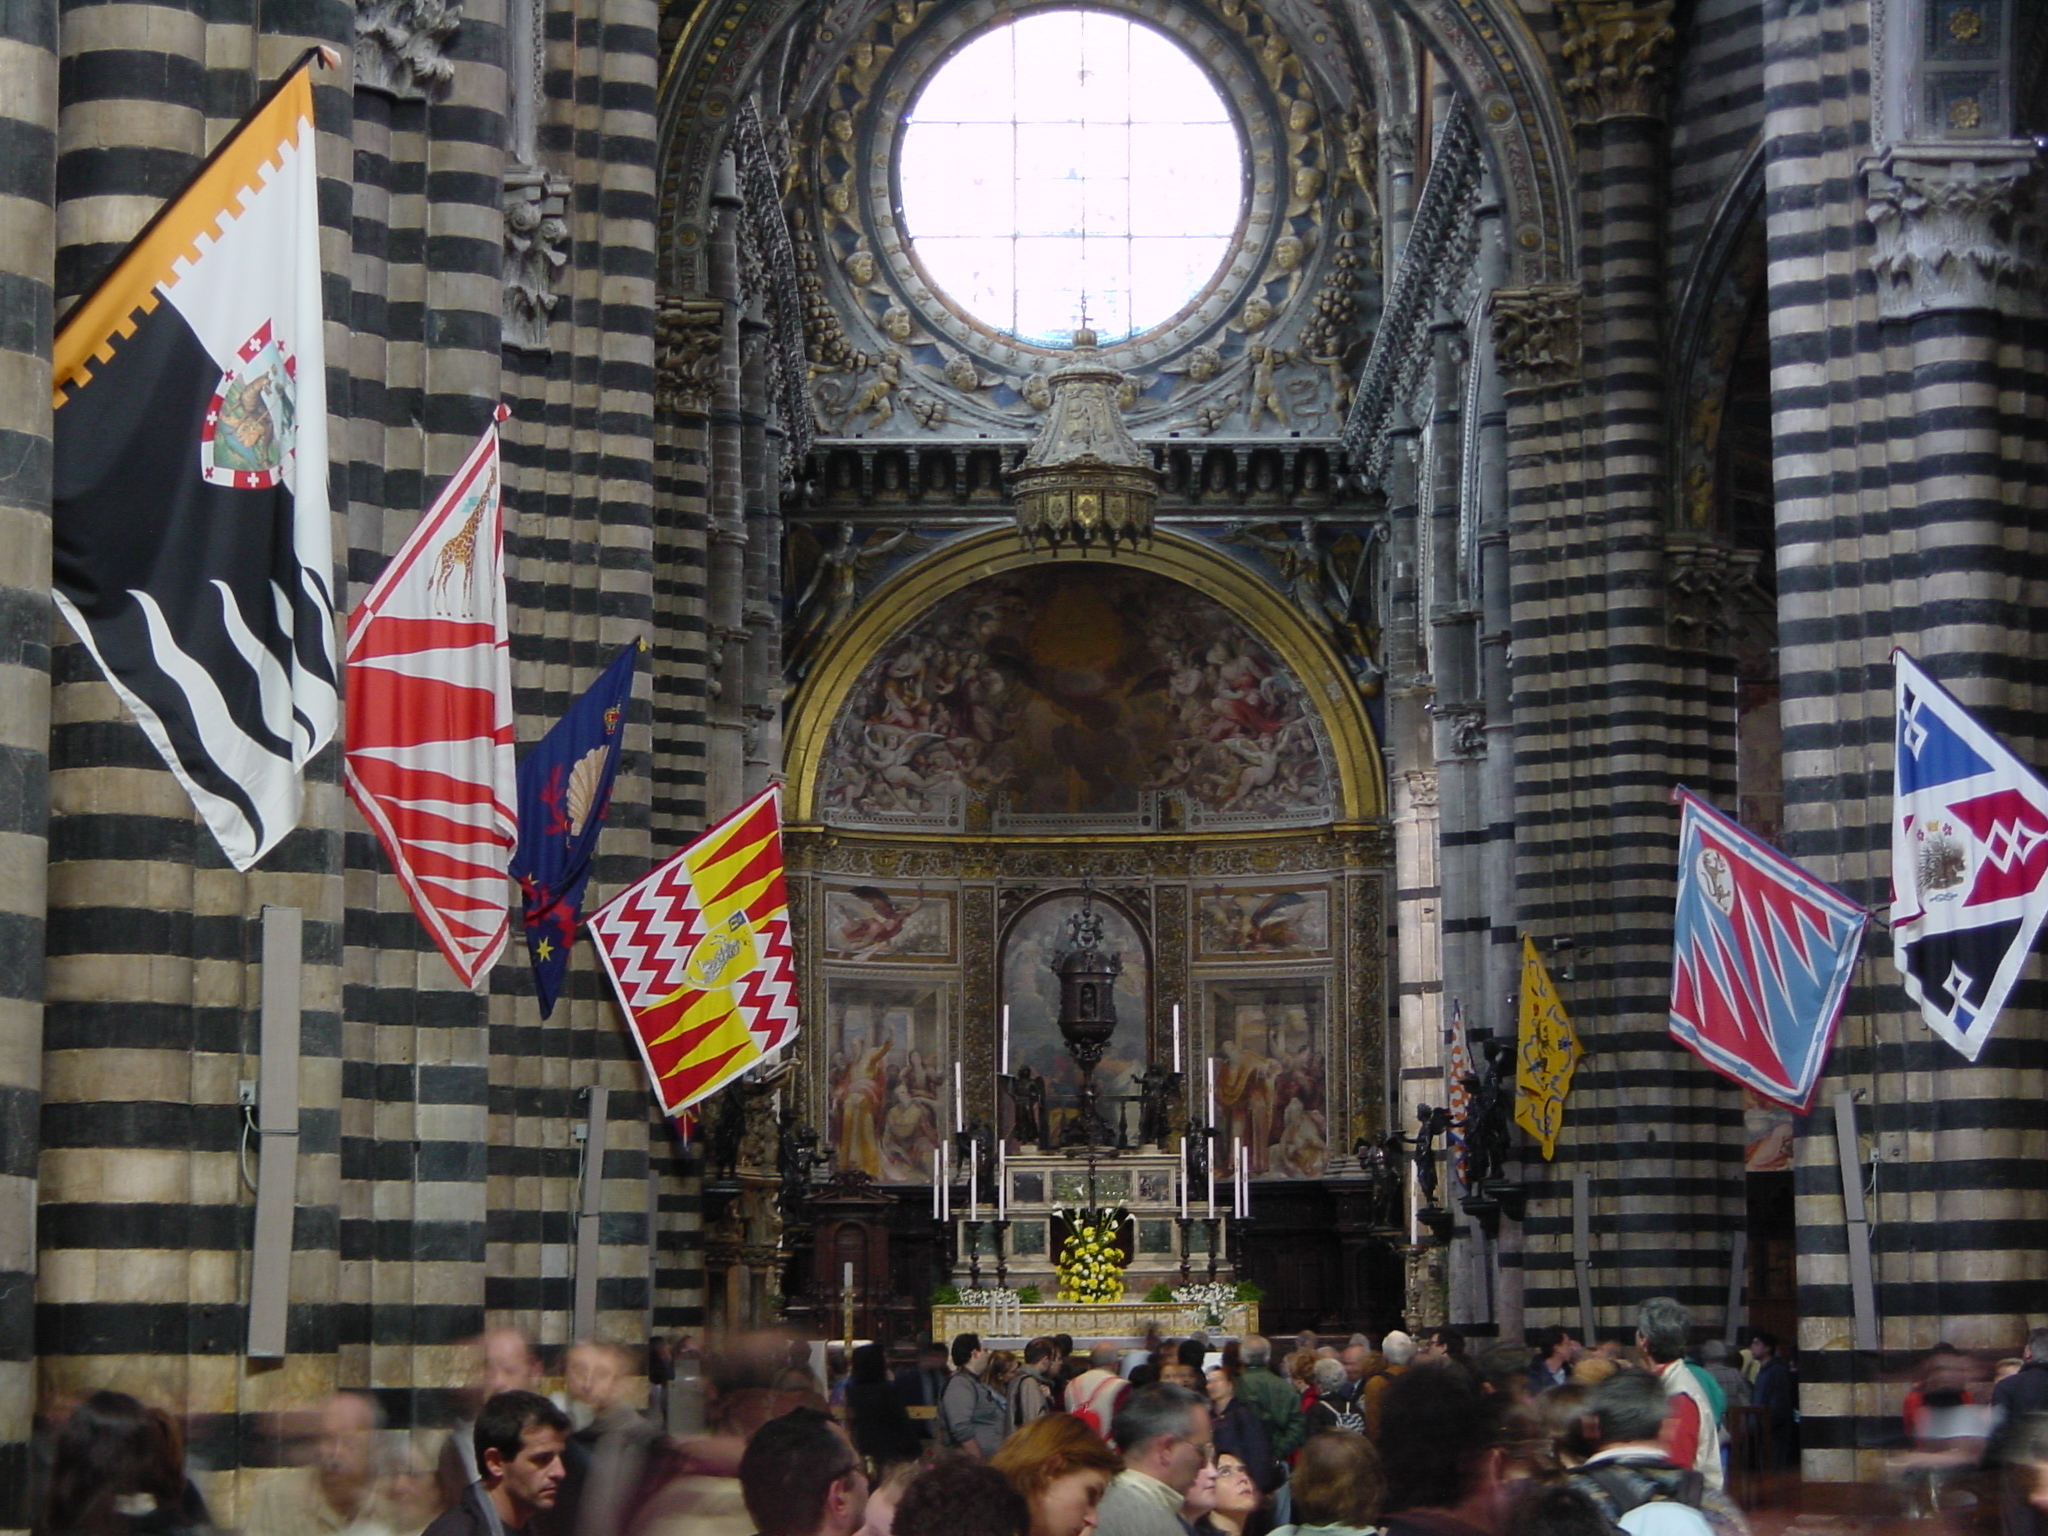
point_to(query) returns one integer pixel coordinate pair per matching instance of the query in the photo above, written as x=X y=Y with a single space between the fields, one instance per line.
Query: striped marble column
x=28 y=162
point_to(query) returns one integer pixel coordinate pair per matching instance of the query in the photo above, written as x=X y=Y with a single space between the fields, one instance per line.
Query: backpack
x=1623 y=1488
x=1100 y=1406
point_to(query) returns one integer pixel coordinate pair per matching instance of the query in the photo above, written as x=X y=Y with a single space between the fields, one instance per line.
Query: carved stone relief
x=536 y=251
x=689 y=336
x=1965 y=228
x=1536 y=335
x=400 y=46
x=1615 y=52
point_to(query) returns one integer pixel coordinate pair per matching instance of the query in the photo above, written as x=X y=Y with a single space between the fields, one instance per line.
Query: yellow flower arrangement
x=1090 y=1263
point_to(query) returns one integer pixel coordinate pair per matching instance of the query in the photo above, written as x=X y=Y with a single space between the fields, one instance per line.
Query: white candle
x=1002 y=1180
x=1183 y=1178
x=846 y=1276
x=1236 y=1172
x=1176 y=1037
x=1006 y=1040
x=1210 y=1147
x=959 y=1101
x=945 y=1181
x=1212 y=1091
x=974 y=1181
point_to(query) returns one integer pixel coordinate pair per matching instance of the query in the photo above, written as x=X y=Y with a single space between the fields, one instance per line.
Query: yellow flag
x=1547 y=1051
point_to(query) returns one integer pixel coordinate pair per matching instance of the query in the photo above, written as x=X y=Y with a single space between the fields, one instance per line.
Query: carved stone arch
x=1360 y=789
x=1726 y=276
x=1504 y=72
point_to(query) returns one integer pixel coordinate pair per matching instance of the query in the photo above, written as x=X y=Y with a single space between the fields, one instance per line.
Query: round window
x=1071 y=165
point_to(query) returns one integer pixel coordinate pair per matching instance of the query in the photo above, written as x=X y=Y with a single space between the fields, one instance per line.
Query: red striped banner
x=429 y=732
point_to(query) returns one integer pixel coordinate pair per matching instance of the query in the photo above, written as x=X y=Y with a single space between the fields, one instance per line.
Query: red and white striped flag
x=429 y=730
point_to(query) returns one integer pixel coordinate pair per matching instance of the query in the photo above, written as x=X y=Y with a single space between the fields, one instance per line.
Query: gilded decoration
x=1030 y=990
x=1271 y=344
x=1079 y=692
x=1219 y=784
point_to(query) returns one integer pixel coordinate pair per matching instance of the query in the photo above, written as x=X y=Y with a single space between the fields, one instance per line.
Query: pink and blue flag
x=1969 y=861
x=1761 y=958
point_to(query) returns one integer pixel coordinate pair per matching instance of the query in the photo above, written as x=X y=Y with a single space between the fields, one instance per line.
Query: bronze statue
x=1433 y=1123
x=1027 y=1100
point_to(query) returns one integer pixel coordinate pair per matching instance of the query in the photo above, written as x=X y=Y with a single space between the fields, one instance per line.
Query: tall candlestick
x=1183 y=1178
x=1006 y=1041
x=935 y=1183
x=1176 y=1037
x=974 y=1181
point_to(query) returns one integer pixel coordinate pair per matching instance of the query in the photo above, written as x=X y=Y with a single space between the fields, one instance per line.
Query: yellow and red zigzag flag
x=699 y=950
x=429 y=729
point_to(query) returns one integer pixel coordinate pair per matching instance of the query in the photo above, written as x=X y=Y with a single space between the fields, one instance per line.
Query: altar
x=1124 y=1324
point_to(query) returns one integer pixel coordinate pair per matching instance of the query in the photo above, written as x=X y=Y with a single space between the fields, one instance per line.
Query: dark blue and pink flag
x=1761 y=957
x=565 y=789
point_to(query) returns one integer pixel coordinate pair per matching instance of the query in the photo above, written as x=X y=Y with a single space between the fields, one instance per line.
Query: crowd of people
x=1398 y=1436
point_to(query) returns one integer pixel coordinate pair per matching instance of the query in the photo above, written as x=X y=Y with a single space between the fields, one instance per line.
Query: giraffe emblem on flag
x=1761 y=958
x=1969 y=861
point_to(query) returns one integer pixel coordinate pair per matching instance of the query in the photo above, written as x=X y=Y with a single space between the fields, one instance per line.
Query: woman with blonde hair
x=1061 y=1467
x=1337 y=1487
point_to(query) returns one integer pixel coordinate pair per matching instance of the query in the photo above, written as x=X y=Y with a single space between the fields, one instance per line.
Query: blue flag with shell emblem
x=565 y=789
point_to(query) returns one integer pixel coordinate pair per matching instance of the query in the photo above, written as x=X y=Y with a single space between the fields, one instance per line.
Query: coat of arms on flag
x=1546 y=1054
x=429 y=758
x=1969 y=861
x=193 y=551
x=565 y=790
x=699 y=951
x=1761 y=958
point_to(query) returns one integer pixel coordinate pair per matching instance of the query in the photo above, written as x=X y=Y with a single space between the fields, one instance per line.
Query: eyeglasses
x=1206 y=1447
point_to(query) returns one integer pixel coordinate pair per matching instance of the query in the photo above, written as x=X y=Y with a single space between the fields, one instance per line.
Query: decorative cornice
x=689 y=336
x=760 y=184
x=1615 y=52
x=1536 y=335
x=1439 y=252
x=536 y=249
x=399 y=46
x=1959 y=227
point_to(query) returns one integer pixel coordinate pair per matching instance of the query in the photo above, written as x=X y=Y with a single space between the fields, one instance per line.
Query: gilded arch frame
x=899 y=599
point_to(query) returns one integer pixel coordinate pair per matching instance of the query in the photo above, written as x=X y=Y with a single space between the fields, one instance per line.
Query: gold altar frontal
x=1123 y=1323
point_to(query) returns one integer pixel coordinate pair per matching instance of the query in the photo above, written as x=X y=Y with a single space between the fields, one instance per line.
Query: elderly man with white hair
x=1399 y=1350
x=1333 y=1410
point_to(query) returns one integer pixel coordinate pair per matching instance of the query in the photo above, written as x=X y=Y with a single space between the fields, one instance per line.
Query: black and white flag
x=194 y=554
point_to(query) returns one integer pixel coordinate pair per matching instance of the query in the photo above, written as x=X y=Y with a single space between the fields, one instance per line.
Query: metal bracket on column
x=277 y=1126
x=1862 y=1284
x=1582 y=1251
x=589 y=1205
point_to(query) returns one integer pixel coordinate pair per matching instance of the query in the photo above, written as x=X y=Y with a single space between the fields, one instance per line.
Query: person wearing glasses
x=800 y=1476
x=1165 y=1436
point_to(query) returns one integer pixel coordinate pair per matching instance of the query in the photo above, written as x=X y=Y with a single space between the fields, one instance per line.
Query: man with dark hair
x=1663 y=1334
x=972 y=1415
x=1032 y=1390
x=1443 y=1344
x=1440 y=1449
x=1770 y=1389
x=961 y=1498
x=518 y=1441
x=2014 y=1403
x=1275 y=1401
x=1556 y=1351
x=1636 y=1484
x=1165 y=1436
x=800 y=1476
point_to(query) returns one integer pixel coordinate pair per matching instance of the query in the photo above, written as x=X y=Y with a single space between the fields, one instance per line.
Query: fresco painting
x=1032 y=993
x=887 y=1078
x=1073 y=692
x=1271 y=1074
x=888 y=922
x=1263 y=920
